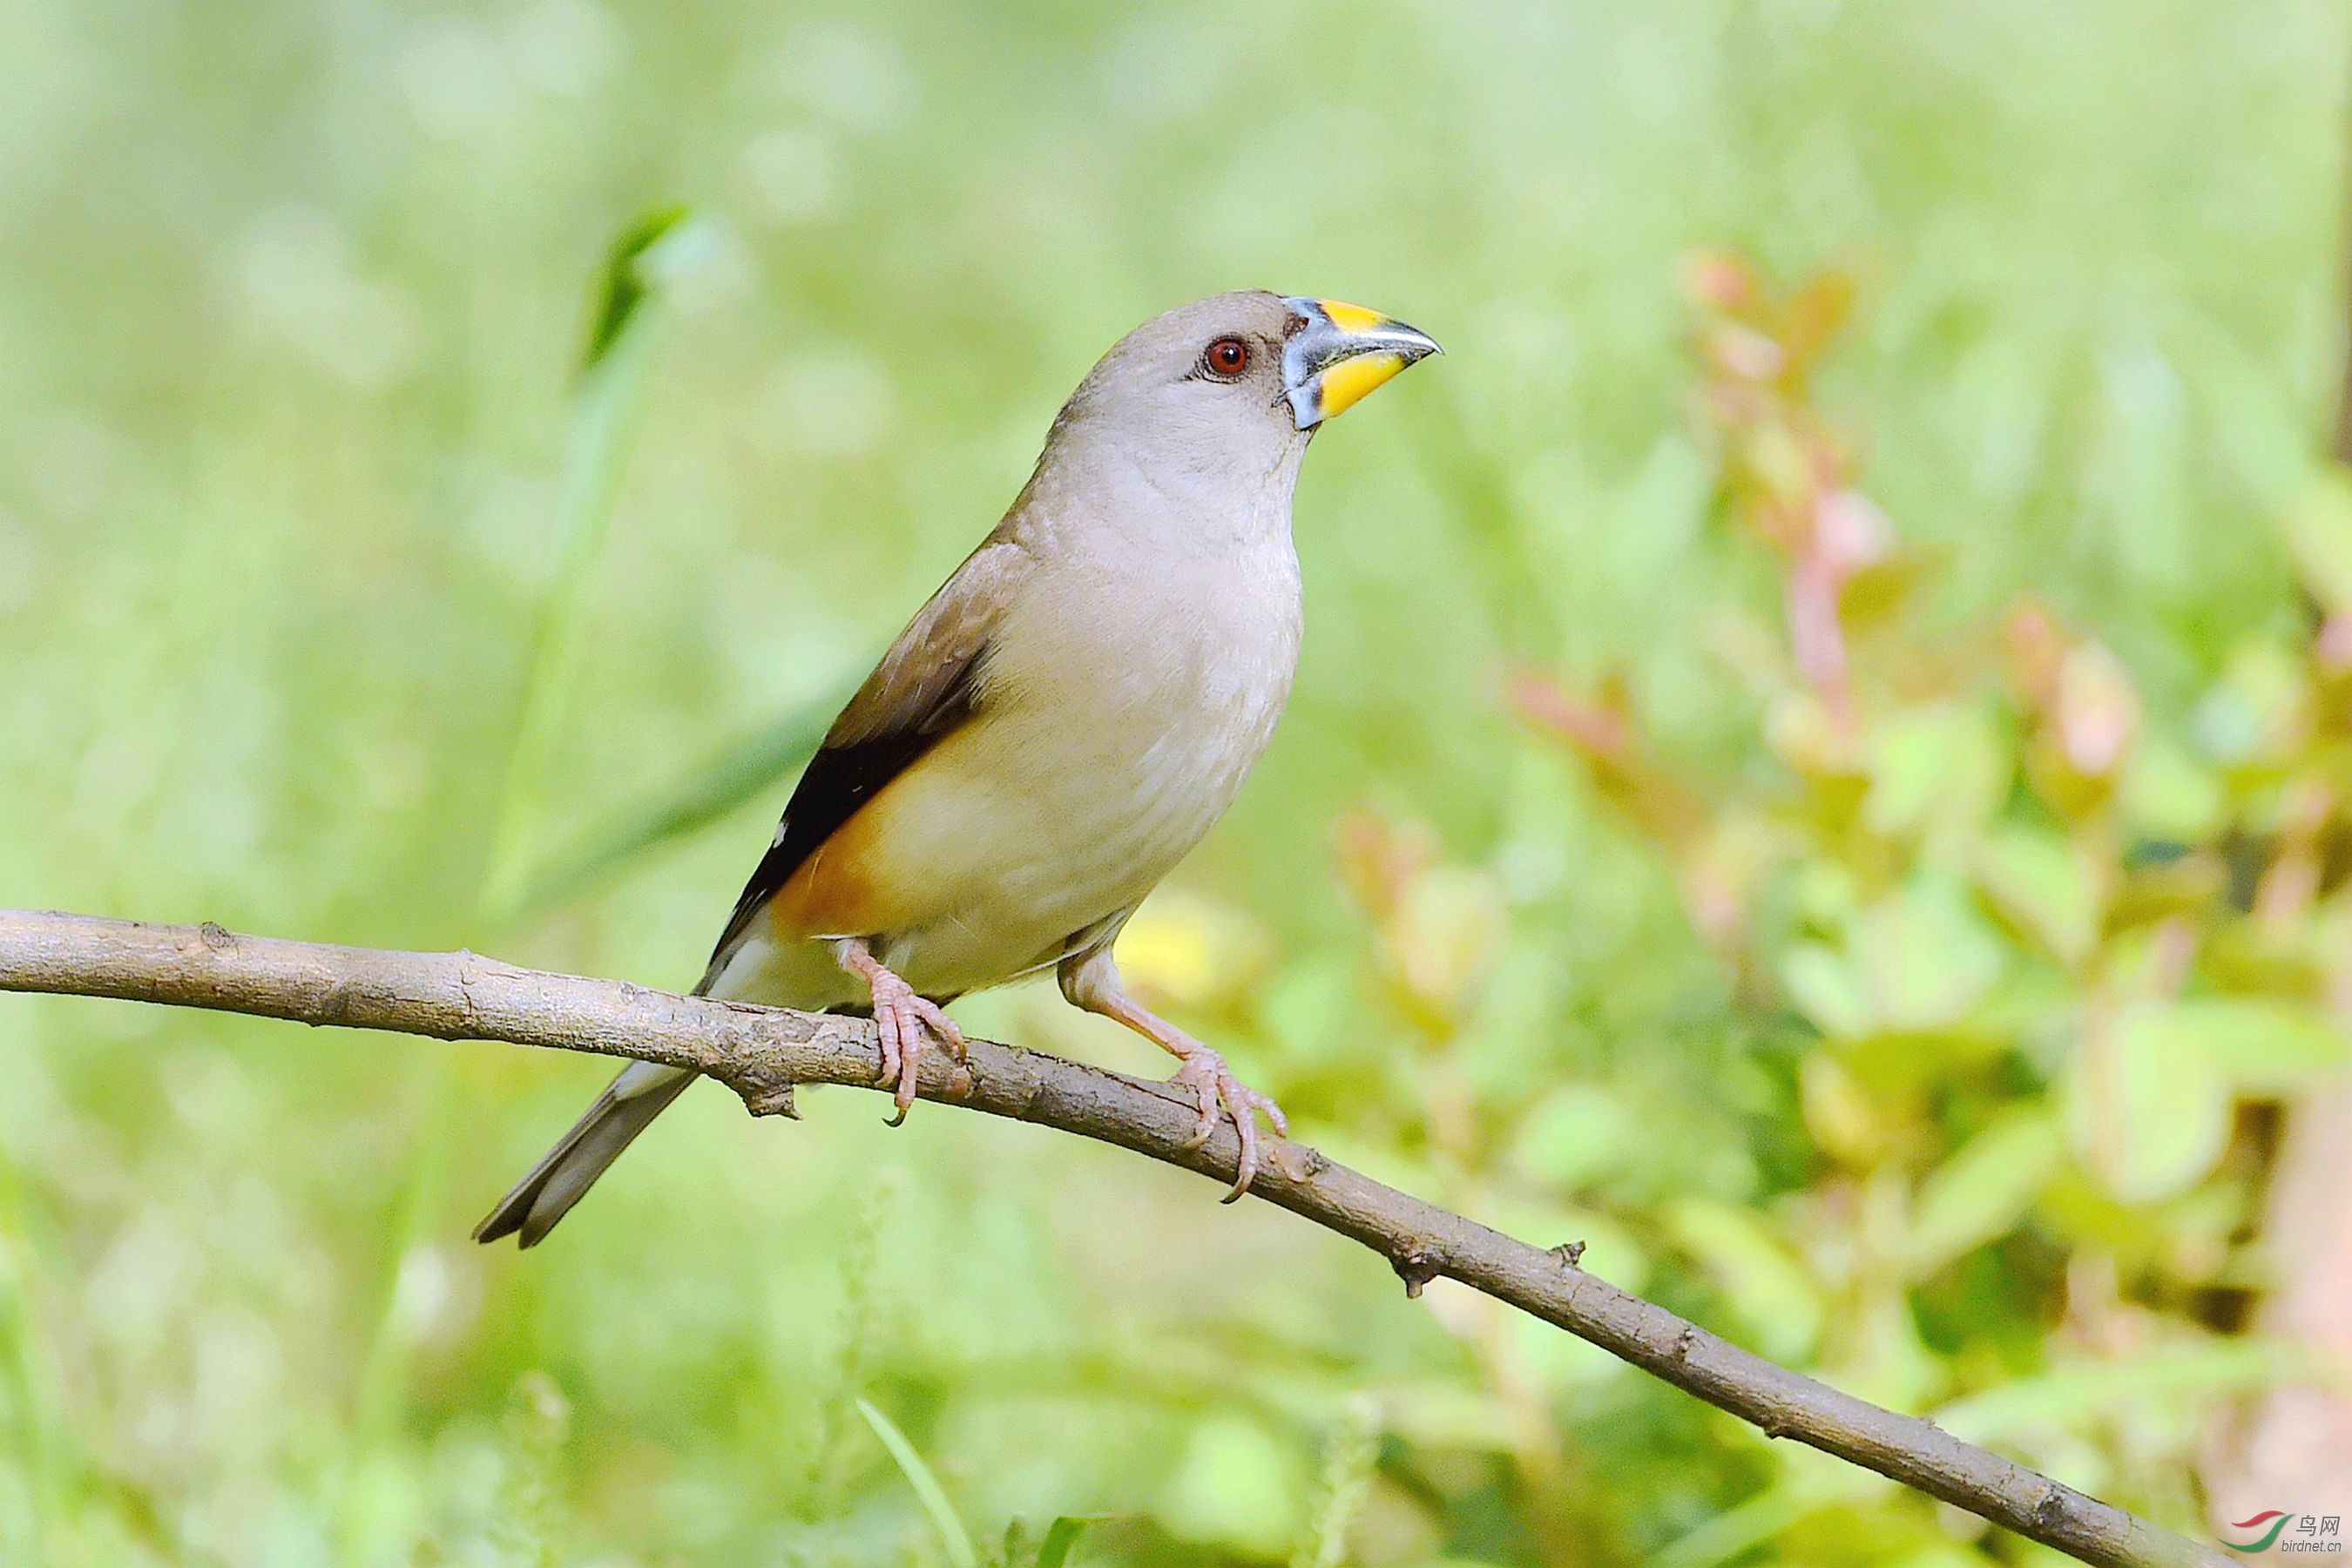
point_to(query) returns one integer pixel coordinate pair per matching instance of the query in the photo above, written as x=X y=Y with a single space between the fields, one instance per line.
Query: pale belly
x=1090 y=773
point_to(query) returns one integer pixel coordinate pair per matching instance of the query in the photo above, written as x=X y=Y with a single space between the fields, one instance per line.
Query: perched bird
x=1057 y=728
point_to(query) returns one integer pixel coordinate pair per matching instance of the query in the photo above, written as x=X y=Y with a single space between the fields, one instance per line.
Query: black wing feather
x=837 y=781
x=926 y=687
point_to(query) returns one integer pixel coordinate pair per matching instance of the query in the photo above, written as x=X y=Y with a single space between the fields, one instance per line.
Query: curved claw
x=1204 y=1096
x=1223 y=1097
x=902 y=1018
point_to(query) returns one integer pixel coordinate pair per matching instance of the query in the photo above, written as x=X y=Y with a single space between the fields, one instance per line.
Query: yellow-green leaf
x=2148 y=1107
x=1978 y=1192
x=1777 y=1302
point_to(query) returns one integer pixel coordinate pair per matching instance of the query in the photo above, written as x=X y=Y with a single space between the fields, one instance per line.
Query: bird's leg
x=1091 y=981
x=900 y=1018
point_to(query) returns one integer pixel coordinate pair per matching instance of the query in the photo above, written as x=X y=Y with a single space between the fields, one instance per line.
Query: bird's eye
x=1227 y=356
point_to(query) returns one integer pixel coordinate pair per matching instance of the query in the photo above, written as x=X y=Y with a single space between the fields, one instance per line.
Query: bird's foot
x=1223 y=1097
x=1090 y=980
x=901 y=1018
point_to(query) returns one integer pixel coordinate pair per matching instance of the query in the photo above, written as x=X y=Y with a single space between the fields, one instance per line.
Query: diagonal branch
x=760 y=1052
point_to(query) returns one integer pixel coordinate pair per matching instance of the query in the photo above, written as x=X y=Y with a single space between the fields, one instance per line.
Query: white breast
x=1128 y=694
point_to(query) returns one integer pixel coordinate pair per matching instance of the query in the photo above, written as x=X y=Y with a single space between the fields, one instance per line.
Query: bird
x=1055 y=730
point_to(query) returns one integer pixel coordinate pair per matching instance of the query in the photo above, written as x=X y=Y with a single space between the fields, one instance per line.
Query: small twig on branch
x=760 y=1052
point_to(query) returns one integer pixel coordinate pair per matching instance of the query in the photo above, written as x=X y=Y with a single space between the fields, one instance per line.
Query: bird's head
x=1234 y=383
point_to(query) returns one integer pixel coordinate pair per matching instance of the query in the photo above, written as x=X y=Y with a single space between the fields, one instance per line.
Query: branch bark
x=760 y=1053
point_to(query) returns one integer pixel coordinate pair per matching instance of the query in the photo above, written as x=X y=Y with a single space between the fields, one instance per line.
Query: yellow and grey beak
x=1339 y=353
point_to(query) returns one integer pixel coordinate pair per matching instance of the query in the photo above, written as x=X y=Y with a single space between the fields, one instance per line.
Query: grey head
x=1228 y=388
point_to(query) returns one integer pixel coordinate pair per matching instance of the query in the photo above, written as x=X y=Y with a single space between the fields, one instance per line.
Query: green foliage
x=1347 y=1460
x=537 y=1425
x=953 y=1539
x=1061 y=1540
x=630 y=273
x=2022 y=1013
x=614 y=369
x=1874 y=918
x=720 y=787
x=1053 y=1551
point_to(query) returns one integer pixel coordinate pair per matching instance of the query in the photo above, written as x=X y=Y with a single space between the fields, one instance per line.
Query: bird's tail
x=567 y=1170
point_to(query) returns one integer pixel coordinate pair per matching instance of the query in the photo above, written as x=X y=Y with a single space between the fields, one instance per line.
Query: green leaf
x=627 y=280
x=2150 y=1112
x=1826 y=989
x=1928 y=952
x=1436 y=1414
x=1061 y=1539
x=1941 y=1554
x=2039 y=881
x=1776 y=1299
x=1912 y=962
x=615 y=373
x=1575 y=1134
x=2318 y=527
x=2262 y=1046
x=2148 y=1107
x=928 y=1490
x=2257 y=711
x=1932 y=768
x=1978 y=1192
x=2085 y=1395
x=2167 y=796
x=1845 y=1120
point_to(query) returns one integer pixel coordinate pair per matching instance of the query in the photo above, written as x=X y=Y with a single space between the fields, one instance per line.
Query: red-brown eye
x=1227 y=356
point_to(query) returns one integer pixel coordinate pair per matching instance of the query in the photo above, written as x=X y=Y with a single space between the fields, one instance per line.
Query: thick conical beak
x=1338 y=352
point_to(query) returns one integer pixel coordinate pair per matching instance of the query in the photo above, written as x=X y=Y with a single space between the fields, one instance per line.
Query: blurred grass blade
x=627 y=283
x=387 y=1368
x=933 y=1496
x=728 y=781
x=616 y=368
x=33 y=1409
x=1061 y=1538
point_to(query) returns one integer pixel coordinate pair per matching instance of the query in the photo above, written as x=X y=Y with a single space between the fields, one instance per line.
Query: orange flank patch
x=857 y=882
x=834 y=892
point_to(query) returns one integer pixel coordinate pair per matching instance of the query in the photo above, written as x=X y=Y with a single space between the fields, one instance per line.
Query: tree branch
x=760 y=1052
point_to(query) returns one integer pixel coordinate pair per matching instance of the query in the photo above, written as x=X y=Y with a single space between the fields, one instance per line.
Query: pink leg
x=1093 y=982
x=901 y=1017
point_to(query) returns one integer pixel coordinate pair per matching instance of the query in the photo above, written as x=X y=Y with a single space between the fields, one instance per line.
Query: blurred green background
x=1895 y=1023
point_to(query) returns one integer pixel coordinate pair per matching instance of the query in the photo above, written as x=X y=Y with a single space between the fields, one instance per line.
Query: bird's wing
x=925 y=688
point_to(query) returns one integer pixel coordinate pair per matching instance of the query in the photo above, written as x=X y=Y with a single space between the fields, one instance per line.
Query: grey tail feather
x=565 y=1173
x=567 y=1170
